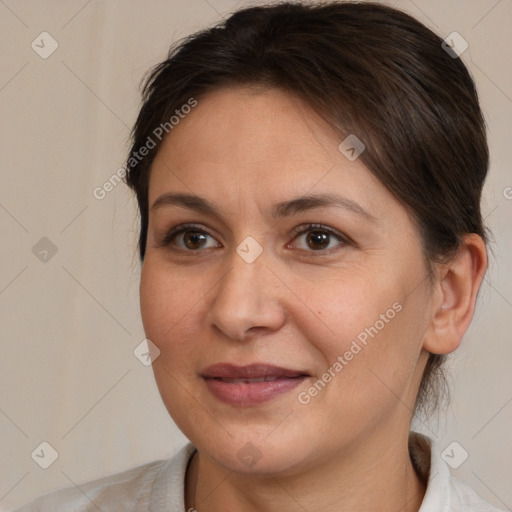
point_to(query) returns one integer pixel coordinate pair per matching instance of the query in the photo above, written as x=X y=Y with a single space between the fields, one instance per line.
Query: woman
x=309 y=181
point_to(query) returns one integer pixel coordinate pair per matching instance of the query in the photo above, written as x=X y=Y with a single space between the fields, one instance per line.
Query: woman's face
x=343 y=307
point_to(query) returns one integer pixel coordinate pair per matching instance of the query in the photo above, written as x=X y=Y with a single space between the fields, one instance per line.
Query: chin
x=253 y=451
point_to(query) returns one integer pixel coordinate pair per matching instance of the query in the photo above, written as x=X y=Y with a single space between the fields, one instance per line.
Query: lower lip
x=247 y=394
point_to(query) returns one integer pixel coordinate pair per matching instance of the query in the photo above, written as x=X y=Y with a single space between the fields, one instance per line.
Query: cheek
x=153 y=301
x=346 y=308
x=365 y=332
x=168 y=303
x=168 y=300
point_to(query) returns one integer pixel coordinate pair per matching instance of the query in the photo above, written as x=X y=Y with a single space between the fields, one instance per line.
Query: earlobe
x=454 y=298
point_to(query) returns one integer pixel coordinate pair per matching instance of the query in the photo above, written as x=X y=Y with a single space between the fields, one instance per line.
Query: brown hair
x=369 y=70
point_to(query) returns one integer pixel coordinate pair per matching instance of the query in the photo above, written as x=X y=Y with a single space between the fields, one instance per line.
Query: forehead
x=242 y=123
x=264 y=135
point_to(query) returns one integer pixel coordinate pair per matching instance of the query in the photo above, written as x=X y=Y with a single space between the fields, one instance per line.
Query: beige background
x=68 y=375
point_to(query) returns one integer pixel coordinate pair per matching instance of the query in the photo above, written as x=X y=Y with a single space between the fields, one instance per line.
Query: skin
x=299 y=305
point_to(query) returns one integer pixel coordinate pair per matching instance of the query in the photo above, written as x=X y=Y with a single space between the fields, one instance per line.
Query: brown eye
x=193 y=239
x=319 y=239
x=188 y=238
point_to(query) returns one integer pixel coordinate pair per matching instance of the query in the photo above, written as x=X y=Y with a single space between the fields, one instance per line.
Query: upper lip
x=252 y=371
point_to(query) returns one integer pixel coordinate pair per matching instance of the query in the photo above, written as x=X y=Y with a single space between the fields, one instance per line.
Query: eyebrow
x=279 y=210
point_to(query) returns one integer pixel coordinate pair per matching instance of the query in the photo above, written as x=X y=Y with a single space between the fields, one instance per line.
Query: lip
x=225 y=382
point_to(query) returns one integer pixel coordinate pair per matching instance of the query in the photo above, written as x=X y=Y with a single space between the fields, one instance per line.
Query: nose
x=246 y=300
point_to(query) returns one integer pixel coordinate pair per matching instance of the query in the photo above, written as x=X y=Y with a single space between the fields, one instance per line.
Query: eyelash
x=300 y=230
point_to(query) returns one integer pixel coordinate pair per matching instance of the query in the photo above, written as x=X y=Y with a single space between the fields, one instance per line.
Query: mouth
x=250 y=381
x=250 y=385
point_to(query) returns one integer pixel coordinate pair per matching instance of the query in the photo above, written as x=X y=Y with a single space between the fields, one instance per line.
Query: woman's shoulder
x=444 y=492
x=129 y=490
x=466 y=499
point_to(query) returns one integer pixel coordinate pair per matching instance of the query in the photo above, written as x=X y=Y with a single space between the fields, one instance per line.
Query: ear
x=454 y=296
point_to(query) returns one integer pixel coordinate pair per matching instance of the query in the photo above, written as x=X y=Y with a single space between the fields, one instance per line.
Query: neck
x=376 y=476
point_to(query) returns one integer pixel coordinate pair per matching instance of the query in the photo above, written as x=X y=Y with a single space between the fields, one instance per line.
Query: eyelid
x=304 y=228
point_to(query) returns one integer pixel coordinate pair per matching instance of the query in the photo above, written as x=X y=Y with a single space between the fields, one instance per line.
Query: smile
x=250 y=385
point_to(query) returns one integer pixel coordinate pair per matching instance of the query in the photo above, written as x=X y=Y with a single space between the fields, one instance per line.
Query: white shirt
x=159 y=486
